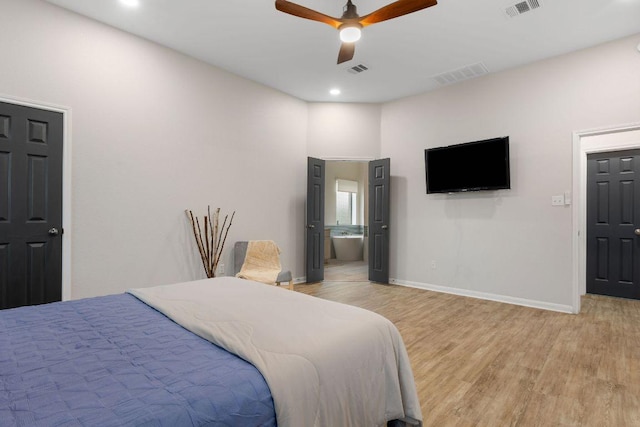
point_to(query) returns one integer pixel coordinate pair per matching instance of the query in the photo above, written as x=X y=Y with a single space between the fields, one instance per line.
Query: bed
x=223 y=352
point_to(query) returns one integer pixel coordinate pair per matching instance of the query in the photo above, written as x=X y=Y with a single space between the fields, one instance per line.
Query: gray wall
x=511 y=243
x=155 y=132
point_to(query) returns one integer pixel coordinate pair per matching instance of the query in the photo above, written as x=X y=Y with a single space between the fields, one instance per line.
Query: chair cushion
x=284 y=276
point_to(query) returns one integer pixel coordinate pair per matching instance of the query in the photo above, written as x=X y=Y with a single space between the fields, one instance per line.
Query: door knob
x=637 y=231
x=384 y=227
x=53 y=231
x=311 y=226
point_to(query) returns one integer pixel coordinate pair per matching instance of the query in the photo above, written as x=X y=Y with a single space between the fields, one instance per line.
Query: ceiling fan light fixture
x=350 y=33
x=350 y=24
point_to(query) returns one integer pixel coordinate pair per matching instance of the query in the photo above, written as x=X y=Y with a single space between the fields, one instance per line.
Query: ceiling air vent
x=358 y=69
x=521 y=7
x=464 y=73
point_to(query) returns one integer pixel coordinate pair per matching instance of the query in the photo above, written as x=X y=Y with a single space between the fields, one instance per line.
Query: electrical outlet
x=557 y=200
x=220 y=269
x=433 y=264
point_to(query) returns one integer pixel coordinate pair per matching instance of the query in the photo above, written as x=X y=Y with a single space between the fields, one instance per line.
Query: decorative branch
x=225 y=234
x=195 y=233
x=211 y=243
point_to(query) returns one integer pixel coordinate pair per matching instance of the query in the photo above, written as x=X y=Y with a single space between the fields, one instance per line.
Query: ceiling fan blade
x=303 y=12
x=346 y=52
x=395 y=9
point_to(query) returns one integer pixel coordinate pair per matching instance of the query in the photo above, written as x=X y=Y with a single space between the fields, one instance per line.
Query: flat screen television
x=473 y=166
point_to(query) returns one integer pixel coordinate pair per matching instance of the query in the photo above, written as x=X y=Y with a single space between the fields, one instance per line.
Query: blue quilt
x=114 y=361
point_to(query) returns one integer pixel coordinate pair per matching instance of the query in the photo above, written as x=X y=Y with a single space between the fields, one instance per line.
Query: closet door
x=613 y=224
x=30 y=206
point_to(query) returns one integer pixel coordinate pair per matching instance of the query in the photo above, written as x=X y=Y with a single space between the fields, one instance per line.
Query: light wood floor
x=483 y=363
x=346 y=271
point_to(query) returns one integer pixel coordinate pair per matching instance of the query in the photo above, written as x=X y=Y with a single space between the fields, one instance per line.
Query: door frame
x=66 y=181
x=346 y=159
x=579 y=207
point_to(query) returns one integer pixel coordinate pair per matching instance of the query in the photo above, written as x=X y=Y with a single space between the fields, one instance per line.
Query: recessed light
x=130 y=3
x=335 y=92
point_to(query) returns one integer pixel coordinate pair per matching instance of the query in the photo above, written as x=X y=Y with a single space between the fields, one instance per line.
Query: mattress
x=112 y=361
x=327 y=364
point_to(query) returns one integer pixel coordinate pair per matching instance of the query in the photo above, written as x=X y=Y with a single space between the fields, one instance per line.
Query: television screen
x=473 y=166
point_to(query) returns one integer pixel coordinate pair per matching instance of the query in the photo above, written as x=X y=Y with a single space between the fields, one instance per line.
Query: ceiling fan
x=350 y=23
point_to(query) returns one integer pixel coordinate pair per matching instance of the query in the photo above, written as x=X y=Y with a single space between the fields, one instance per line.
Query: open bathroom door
x=315 y=220
x=379 y=186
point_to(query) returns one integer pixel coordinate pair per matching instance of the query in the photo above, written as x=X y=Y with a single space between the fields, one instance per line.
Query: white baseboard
x=473 y=294
x=486 y=296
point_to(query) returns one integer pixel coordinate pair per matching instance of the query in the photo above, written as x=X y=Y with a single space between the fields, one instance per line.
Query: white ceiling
x=252 y=39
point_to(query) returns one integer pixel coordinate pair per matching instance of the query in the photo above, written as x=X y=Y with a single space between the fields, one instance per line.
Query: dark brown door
x=30 y=206
x=379 y=186
x=613 y=224
x=315 y=220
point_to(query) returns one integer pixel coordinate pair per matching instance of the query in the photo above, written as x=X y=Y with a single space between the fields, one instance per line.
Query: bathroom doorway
x=346 y=218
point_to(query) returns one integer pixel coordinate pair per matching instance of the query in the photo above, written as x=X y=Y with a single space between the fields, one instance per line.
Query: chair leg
x=290 y=284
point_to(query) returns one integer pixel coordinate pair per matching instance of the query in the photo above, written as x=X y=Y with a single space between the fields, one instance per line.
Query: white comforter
x=327 y=364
